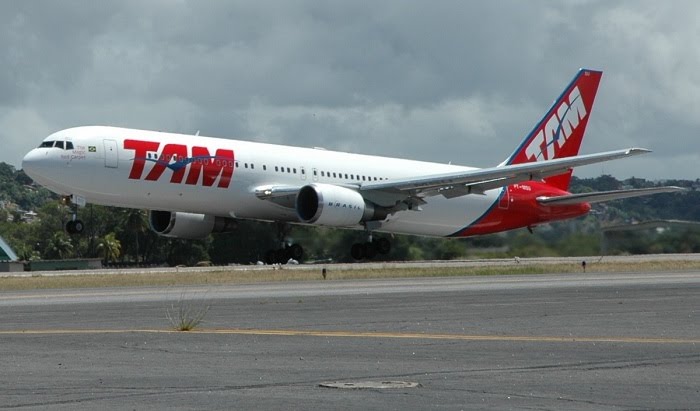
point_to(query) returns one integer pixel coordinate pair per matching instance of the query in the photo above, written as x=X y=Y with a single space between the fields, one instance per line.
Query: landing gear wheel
x=370 y=250
x=282 y=256
x=295 y=252
x=78 y=226
x=357 y=251
x=75 y=227
x=270 y=257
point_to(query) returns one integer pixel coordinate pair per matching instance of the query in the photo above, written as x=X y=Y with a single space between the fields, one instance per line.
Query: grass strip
x=280 y=275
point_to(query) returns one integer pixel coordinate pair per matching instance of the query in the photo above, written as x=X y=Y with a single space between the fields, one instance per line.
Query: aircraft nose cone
x=31 y=163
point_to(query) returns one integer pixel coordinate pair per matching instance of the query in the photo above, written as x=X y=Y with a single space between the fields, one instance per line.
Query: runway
x=574 y=341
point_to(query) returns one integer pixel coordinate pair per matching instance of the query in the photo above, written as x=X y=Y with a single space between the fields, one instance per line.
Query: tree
x=134 y=221
x=110 y=247
x=58 y=247
x=187 y=252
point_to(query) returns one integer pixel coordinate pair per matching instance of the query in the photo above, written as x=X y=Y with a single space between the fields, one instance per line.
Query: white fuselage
x=93 y=163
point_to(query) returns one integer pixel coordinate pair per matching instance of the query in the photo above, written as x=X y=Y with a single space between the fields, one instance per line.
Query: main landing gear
x=283 y=255
x=287 y=251
x=74 y=226
x=370 y=249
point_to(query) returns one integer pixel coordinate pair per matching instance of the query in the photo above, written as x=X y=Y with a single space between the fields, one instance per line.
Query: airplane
x=194 y=185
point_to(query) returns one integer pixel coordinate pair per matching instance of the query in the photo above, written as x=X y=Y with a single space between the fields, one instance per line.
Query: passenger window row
x=350 y=176
x=327 y=174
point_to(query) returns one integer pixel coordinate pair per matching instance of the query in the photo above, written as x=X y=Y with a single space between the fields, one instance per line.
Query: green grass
x=261 y=276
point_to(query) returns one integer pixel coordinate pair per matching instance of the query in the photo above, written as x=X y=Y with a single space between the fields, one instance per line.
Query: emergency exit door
x=111 y=154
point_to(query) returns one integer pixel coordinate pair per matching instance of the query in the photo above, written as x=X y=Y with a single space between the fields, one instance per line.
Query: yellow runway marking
x=359 y=334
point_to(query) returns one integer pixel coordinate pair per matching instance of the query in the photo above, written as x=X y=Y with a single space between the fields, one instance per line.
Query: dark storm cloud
x=38 y=51
x=444 y=81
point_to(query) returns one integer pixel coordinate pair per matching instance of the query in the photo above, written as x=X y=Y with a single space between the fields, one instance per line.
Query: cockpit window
x=64 y=145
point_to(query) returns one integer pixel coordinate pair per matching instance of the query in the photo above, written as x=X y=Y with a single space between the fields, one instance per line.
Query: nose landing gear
x=75 y=225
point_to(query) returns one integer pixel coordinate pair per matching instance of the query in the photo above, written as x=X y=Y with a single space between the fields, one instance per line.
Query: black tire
x=296 y=252
x=281 y=256
x=285 y=255
x=370 y=250
x=78 y=226
x=270 y=257
x=383 y=246
x=70 y=227
x=357 y=251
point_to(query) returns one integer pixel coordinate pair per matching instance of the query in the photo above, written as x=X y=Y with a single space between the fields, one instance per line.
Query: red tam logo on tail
x=549 y=140
x=560 y=132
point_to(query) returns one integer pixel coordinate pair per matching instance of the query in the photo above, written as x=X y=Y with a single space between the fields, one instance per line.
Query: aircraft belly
x=441 y=217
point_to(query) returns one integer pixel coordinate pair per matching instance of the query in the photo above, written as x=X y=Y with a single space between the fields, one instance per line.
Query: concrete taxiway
x=574 y=341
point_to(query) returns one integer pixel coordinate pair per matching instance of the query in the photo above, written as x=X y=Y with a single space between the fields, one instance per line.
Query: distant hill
x=17 y=190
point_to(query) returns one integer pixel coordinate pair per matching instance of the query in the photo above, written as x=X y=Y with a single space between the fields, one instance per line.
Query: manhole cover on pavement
x=369 y=385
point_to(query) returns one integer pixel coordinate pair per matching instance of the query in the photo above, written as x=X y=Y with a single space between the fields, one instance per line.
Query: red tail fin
x=560 y=132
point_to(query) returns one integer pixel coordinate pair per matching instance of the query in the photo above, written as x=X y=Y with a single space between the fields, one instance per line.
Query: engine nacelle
x=188 y=225
x=326 y=204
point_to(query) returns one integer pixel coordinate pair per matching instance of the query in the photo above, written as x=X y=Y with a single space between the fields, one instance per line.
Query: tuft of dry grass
x=313 y=274
x=186 y=314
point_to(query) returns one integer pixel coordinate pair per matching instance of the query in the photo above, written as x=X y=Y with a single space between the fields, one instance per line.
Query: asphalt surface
x=584 y=341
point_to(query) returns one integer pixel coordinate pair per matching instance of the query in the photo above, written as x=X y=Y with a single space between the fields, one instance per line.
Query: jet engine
x=327 y=204
x=188 y=225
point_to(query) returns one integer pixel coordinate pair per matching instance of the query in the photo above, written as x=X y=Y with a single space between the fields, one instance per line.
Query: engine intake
x=188 y=225
x=326 y=204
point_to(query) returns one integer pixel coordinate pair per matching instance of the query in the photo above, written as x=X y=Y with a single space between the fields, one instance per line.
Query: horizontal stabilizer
x=601 y=196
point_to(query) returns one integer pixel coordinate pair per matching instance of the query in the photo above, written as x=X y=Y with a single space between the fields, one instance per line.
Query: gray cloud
x=442 y=81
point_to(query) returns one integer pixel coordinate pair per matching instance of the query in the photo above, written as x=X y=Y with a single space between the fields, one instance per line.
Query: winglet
x=636 y=150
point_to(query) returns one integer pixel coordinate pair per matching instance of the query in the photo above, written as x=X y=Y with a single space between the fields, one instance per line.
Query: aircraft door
x=303 y=173
x=315 y=174
x=111 y=154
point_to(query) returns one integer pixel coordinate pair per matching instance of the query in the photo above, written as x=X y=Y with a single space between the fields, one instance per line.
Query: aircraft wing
x=479 y=180
x=601 y=196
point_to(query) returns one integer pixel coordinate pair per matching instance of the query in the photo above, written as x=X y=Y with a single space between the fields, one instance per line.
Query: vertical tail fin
x=560 y=132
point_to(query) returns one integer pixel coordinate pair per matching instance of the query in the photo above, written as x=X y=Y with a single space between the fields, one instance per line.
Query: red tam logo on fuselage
x=546 y=144
x=175 y=158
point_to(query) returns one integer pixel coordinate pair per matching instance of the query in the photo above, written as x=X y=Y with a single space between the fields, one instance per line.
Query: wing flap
x=601 y=196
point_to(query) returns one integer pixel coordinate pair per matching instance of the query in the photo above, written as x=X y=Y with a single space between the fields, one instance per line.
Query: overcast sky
x=441 y=81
